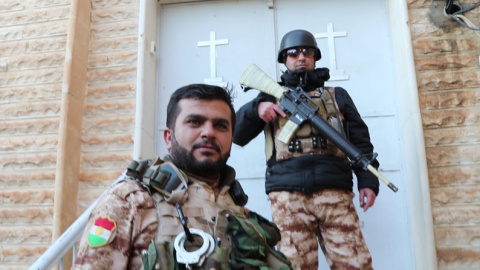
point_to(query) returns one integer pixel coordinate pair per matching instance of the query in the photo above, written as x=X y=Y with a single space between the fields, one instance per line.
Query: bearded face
x=201 y=139
x=186 y=161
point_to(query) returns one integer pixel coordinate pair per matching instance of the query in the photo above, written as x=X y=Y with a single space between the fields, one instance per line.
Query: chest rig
x=307 y=140
x=196 y=231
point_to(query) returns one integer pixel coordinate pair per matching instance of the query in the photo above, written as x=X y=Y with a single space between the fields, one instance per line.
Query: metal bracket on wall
x=270 y=4
x=153 y=47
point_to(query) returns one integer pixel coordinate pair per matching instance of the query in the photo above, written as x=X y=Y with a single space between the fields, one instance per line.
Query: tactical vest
x=307 y=140
x=225 y=236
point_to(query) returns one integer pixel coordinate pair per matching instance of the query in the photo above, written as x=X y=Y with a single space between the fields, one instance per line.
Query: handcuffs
x=198 y=256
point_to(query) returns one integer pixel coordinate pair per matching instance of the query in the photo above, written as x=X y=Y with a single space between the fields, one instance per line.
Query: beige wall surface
x=32 y=49
x=33 y=42
x=33 y=52
x=448 y=77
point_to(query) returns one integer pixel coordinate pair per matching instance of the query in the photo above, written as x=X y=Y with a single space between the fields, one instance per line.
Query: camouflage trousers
x=327 y=216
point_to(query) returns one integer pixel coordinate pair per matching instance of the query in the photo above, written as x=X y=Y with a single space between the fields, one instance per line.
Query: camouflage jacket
x=128 y=211
x=131 y=208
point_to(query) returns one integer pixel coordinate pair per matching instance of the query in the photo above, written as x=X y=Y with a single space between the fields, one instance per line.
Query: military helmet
x=297 y=38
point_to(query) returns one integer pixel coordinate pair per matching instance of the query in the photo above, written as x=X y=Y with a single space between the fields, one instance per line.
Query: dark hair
x=198 y=91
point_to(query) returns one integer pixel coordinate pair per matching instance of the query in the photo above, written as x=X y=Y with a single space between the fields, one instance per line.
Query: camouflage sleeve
x=121 y=225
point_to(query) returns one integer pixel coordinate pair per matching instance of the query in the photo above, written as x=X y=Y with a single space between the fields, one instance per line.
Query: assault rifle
x=302 y=108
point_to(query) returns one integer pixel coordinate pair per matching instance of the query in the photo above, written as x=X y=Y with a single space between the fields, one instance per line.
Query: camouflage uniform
x=140 y=218
x=133 y=210
x=328 y=215
x=310 y=187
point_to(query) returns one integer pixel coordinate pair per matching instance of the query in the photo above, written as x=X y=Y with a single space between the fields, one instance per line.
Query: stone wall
x=448 y=77
x=109 y=112
x=33 y=36
x=32 y=49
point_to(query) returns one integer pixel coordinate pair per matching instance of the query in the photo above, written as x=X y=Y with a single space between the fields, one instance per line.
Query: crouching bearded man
x=185 y=211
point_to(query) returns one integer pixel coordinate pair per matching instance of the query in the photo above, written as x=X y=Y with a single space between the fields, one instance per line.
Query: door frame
x=418 y=189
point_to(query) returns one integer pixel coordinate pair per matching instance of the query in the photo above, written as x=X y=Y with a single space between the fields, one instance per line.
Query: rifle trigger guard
x=198 y=256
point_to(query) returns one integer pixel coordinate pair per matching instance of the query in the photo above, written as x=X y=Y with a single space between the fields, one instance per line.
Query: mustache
x=207 y=142
x=299 y=63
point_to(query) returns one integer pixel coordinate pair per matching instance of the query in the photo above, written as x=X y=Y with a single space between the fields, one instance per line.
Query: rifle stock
x=256 y=78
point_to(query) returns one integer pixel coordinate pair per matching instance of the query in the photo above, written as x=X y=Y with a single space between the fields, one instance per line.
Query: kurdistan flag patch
x=101 y=231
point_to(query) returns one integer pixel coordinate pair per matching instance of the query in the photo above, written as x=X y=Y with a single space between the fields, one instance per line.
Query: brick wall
x=32 y=48
x=33 y=37
x=448 y=77
x=108 y=124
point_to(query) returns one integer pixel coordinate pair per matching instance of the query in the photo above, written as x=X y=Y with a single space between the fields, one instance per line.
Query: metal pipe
x=67 y=240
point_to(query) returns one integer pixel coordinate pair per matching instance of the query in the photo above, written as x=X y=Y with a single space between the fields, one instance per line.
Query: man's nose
x=208 y=130
x=301 y=56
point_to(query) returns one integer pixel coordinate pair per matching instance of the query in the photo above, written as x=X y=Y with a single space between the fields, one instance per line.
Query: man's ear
x=167 y=136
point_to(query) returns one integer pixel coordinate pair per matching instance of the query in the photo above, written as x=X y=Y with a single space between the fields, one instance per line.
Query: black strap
x=164 y=178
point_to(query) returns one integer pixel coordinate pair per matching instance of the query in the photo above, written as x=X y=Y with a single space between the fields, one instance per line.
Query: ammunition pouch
x=306 y=139
x=253 y=240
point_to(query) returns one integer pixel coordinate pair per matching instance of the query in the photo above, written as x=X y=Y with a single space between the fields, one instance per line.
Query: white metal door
x=215 y=41
x=355 y=43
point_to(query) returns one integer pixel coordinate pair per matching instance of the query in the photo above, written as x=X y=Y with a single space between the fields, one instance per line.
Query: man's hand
x=367 y=198
x=267 y=111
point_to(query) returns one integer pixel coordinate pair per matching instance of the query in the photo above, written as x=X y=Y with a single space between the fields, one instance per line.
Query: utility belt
x=237 y=241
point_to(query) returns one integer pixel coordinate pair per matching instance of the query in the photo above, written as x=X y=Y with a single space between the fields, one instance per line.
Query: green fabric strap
x=219 y=251
x=174 y=264
x=249 y=230
x=149 y=258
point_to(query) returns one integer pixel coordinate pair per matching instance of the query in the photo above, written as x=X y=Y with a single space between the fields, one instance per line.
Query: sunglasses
x=296 y=52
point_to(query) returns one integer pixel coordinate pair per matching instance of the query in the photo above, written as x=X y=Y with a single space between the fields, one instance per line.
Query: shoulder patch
x=102 y=231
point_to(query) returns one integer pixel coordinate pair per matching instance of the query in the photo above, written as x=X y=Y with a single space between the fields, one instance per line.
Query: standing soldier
x=309 y=180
